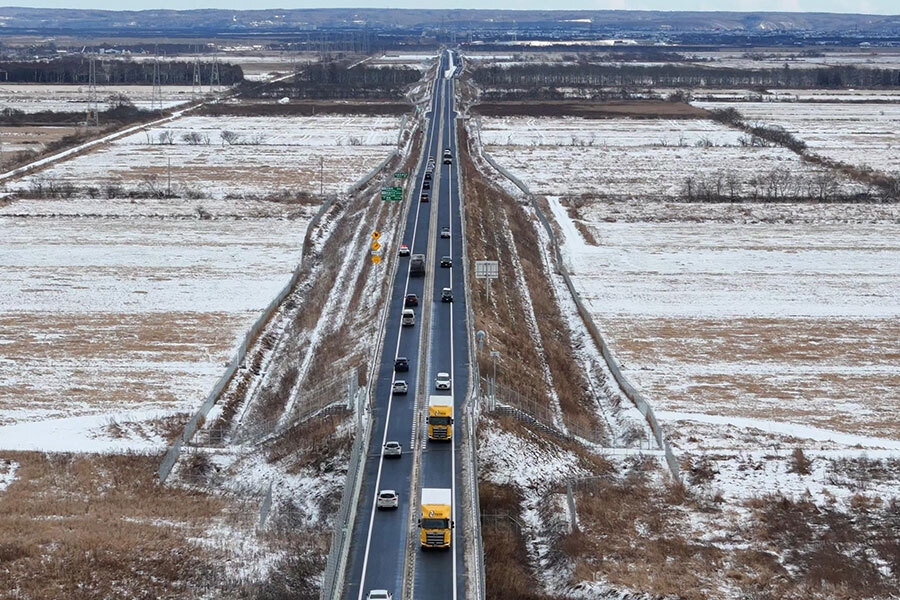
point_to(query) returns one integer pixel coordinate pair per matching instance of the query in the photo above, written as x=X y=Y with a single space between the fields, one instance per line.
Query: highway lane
x=439 y=574
x=379 y=538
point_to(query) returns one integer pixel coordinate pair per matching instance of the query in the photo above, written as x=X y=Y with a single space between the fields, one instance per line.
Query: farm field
x=648 y=159
x=121 y=306
x=31 y=98
x=858 y=134
x=112 y=325
x=18 y=139
x=262 y=158
x=787 y=325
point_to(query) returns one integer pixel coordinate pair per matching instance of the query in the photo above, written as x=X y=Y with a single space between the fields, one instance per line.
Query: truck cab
x=436 y=518
x=440 y=418
x=417 y=264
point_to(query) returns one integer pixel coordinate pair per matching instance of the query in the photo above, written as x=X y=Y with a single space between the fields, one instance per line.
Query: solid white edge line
x=387 y=419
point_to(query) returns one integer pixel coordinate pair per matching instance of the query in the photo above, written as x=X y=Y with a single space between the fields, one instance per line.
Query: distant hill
x=40 y=20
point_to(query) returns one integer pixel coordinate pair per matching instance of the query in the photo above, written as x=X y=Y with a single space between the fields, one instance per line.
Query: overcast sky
x=840 y=6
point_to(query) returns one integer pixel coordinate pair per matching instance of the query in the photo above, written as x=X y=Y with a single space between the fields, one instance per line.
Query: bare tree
x=193 y=138
x=229 y=137
x=166 y=137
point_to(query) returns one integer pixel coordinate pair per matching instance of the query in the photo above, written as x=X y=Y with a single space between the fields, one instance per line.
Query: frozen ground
x=111 y=323
x=779 y=322
x=265 y=156
x=631 y=158
x=31 y=98
x=858 y=134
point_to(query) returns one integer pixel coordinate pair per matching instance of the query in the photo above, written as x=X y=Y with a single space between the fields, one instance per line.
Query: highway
x=380 y=537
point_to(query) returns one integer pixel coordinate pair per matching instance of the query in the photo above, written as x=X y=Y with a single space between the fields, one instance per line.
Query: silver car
x=387 y=499
x=379 y=595
x=393 y=449
x=400 y=387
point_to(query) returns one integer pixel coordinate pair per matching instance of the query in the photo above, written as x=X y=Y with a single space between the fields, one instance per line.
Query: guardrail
x=333 y=578
x=627 y=388
x=471 y=411
x=336 y=564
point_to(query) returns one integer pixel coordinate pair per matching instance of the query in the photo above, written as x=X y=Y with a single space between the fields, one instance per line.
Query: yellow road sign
x=376 y=259
x=376 y=246
x=376 y=234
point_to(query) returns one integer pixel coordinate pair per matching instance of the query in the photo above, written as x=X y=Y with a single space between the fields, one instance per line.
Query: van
x=409 y=317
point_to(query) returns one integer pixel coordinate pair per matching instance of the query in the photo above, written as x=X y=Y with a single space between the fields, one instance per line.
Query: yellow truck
x=437 y=518
x=440 y=417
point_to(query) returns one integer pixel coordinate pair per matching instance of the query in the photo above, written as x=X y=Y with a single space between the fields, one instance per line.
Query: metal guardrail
x=336 y=563
x=471 y=412
x=627 y=388
x=333 y=578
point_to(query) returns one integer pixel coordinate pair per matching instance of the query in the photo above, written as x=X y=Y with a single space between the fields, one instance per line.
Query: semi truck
x=436 y=517
x=440 y=417
x=417 y=264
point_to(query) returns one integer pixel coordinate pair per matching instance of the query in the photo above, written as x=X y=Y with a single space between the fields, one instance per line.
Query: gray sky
x=839 y=6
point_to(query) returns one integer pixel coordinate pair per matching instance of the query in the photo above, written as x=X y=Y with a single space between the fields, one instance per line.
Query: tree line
x=591 y=75
x=333 y=80
x=76 y=70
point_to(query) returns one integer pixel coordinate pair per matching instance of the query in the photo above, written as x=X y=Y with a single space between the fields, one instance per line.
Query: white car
x=393 y=449
x=400 y=387
x=387 y=499
x=380 y=595
x=442 y=381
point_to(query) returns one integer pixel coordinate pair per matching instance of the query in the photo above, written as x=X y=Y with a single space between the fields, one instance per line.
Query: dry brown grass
x=100 y=527
x=488 y=211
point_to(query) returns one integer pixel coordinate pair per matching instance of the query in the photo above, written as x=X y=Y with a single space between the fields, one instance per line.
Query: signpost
x=487 y=269
x=376 y=247
x=392 y=193
x=400 y=175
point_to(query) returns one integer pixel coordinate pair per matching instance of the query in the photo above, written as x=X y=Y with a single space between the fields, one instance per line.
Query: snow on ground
x=8 y=470
x=777 y=60
x=297 y=153
x=858 y=134
x=29 y=97
x=784 y=323
x=106 y=323
x=630 y=158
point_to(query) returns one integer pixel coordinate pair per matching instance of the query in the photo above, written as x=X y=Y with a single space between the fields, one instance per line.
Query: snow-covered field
x=265 y=156
x=15 y=139
x=111 y=323
x=858 y=134
x=782 y=323
x=31 y=98
x=631 y=158
x=777 y=60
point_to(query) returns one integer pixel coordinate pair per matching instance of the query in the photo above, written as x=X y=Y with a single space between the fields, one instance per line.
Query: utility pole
x=214 y=83
x=93 y=110
x=196 y=88
x=168 y=177
x=321 y=176
x=156 y=94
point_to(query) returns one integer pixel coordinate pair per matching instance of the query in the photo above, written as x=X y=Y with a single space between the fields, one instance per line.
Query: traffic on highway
x=406 y=533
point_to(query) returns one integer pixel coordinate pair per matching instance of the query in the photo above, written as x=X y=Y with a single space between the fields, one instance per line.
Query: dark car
x=446 y=261
x=424 y=198
x=401 y=363
x=445 y=232
x=446 y=295
x=426 y=185
x=427 y=175
x=411 y=300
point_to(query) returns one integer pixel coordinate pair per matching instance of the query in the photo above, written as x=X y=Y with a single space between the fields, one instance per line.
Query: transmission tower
x=214 y=83
x=196 y=89
x=92 y=118
x=156 y=96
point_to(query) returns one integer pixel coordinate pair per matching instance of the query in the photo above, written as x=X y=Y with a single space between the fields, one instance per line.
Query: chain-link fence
x=331 y=397
x=507 y=400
